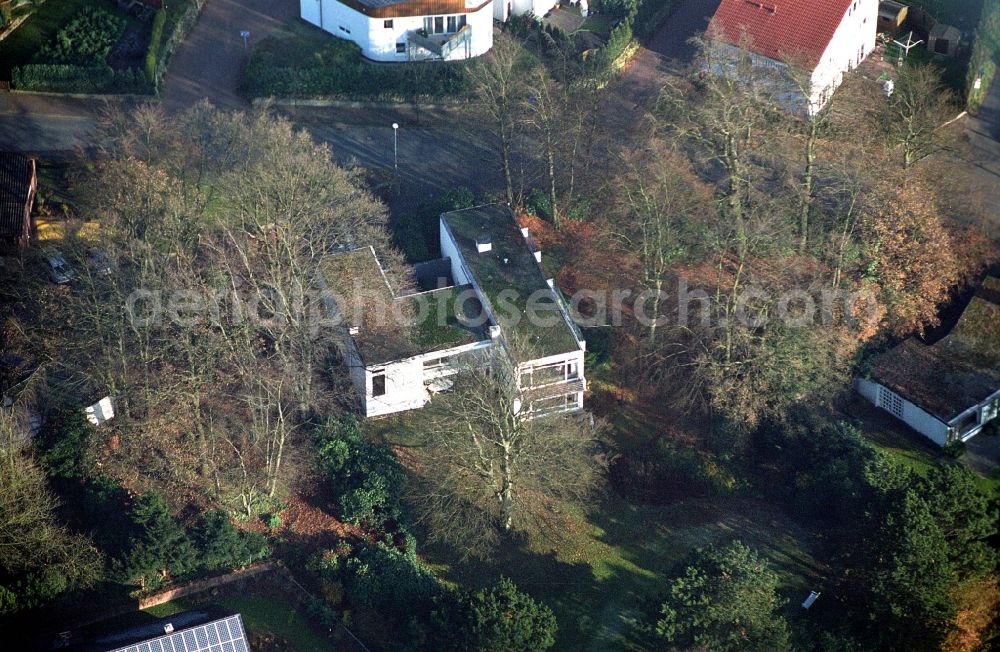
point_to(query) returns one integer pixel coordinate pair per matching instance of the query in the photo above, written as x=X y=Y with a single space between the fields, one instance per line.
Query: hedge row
x=155 y=39
x=171 y=35
x=985 y=53
x=356 y=79
x=60 y=78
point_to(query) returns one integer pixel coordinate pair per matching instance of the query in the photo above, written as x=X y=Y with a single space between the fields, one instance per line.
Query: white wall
x=378 y=42
x=855 y=37
x=924 y=423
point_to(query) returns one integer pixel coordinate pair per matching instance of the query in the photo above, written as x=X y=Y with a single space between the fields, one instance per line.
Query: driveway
x=668 y=51
x=209 y=62
x=983 y=135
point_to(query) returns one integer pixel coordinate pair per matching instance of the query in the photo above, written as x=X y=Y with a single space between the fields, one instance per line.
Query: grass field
x=610 y=559
x=905 y=446
x=260 y=614
x=610 y=562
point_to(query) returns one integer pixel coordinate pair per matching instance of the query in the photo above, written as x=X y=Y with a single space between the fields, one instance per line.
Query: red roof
x=780 y=28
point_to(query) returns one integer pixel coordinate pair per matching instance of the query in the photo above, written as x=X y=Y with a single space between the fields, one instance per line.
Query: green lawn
x=611 y=558
x=260 y=614
x=18 y=48
x=597 y=23
x=607 y=564
x=905 y=446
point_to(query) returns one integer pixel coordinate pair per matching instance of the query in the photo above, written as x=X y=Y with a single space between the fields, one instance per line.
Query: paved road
x=983 y=134
x=210 y=61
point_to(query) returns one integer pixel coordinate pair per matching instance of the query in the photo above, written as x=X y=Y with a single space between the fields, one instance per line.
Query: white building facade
x=504 y=9
x=824 y=38
x=960 y=428
x=392 y=377
x=408 y=30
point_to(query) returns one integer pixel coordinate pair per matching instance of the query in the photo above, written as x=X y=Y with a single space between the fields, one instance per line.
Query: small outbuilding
x=944 y=39
x=947 y=391
x=891 y=16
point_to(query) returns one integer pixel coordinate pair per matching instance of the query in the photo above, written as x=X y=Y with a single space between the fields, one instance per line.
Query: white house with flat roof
x=487 y=295
x=947 y=391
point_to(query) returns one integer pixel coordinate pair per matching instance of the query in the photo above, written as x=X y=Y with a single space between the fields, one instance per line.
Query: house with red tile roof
x=822 y=37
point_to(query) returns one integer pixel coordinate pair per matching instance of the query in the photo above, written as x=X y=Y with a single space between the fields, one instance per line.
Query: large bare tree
x=487 y=468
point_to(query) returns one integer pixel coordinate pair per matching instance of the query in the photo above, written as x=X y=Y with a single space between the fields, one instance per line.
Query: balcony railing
x=440 y=46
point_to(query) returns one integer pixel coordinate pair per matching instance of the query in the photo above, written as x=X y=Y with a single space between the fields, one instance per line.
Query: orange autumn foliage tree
x=912 y=255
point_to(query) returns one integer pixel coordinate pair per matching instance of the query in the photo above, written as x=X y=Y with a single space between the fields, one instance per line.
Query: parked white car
x=59 y=271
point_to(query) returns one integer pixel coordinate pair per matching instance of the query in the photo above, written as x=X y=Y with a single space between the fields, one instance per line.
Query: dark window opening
x=378 y=384
x=387 y=24
x=439 y=24
x=400 y=48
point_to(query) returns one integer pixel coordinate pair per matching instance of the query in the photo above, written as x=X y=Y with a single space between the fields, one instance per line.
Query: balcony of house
x=440 y=39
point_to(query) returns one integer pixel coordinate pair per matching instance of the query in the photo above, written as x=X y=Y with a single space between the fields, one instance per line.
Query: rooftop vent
x=524 y=231
x=484 y=243
x=353 y=330
x=168 y=628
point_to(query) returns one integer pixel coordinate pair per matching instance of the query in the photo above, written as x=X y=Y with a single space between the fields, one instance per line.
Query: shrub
x=723 y=599
x=326 y=66
x=366 y=478
x=86 y=40
x=954 y=450
x=383 y=579
x=159 y=546
x=498 y=618
x=664 y=471
x=222 y=546
x=65 y=445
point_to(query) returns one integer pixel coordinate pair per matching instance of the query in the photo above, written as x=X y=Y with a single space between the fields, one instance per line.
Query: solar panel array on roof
x=224 y=635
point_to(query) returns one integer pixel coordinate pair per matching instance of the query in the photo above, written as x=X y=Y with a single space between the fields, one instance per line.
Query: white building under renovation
x=487 y=296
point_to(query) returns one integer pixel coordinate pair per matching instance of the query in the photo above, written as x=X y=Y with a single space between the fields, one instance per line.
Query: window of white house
x=387 y=24
x=452 y=24
x=378 y=382
x=400 y=48
x=439 y=24
x=435 y=363
x=429 y=24
x=990 y=410
x=890 y=402
x=551 y=373
x=554 y=404
x=461 y=22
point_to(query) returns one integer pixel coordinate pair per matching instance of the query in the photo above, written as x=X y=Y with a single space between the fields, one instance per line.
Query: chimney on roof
x=484 y=243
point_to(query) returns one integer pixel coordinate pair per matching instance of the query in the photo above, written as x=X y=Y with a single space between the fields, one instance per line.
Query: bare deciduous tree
x=489 y=469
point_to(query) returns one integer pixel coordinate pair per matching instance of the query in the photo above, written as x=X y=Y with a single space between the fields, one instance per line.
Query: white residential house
x=487 y=258
x=407 y=30
x=947 y=391
x=503 y=9
x=825 y=38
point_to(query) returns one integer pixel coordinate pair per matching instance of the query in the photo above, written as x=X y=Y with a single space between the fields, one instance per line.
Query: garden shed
x=944 y=39
x=891 y=16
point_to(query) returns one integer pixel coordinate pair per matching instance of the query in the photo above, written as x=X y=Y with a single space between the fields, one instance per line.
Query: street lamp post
x=395 y=150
